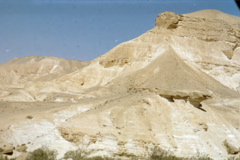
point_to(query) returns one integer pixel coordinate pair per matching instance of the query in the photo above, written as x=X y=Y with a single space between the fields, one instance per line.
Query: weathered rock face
x=175 y=87
x=168 y=20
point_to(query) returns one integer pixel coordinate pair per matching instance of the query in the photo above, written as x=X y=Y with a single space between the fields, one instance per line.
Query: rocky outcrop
x=231 y=149
x=168 y=20
x=6 y=148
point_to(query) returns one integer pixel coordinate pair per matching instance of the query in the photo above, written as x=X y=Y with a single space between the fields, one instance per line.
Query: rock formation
x=175 y=87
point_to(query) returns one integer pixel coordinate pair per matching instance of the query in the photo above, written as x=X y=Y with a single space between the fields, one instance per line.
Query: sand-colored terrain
x=175 y=87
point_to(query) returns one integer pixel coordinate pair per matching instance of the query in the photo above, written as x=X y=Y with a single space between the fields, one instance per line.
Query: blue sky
x=83 y=30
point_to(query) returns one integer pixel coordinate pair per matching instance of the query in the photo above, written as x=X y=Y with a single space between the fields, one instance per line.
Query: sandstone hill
x=175 y=87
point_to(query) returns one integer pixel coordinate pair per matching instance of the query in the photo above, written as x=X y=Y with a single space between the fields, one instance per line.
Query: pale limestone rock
x=175 y=87
x=6 y=148
x=231 y=149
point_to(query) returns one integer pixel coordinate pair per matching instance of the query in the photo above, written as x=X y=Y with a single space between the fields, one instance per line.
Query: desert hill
x=20 y=71
x=176 y=87
x=195 y=40
x=215 y=14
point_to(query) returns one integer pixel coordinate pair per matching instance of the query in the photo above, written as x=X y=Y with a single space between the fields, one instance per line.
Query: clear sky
x=83 y=30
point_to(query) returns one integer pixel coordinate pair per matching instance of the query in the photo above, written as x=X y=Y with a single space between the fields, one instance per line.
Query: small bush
x=199 y=158
x=75 y=155
x=98 y=158
x=2 y=157
x=29 y=117
x=43 y=154
x=160 y=154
